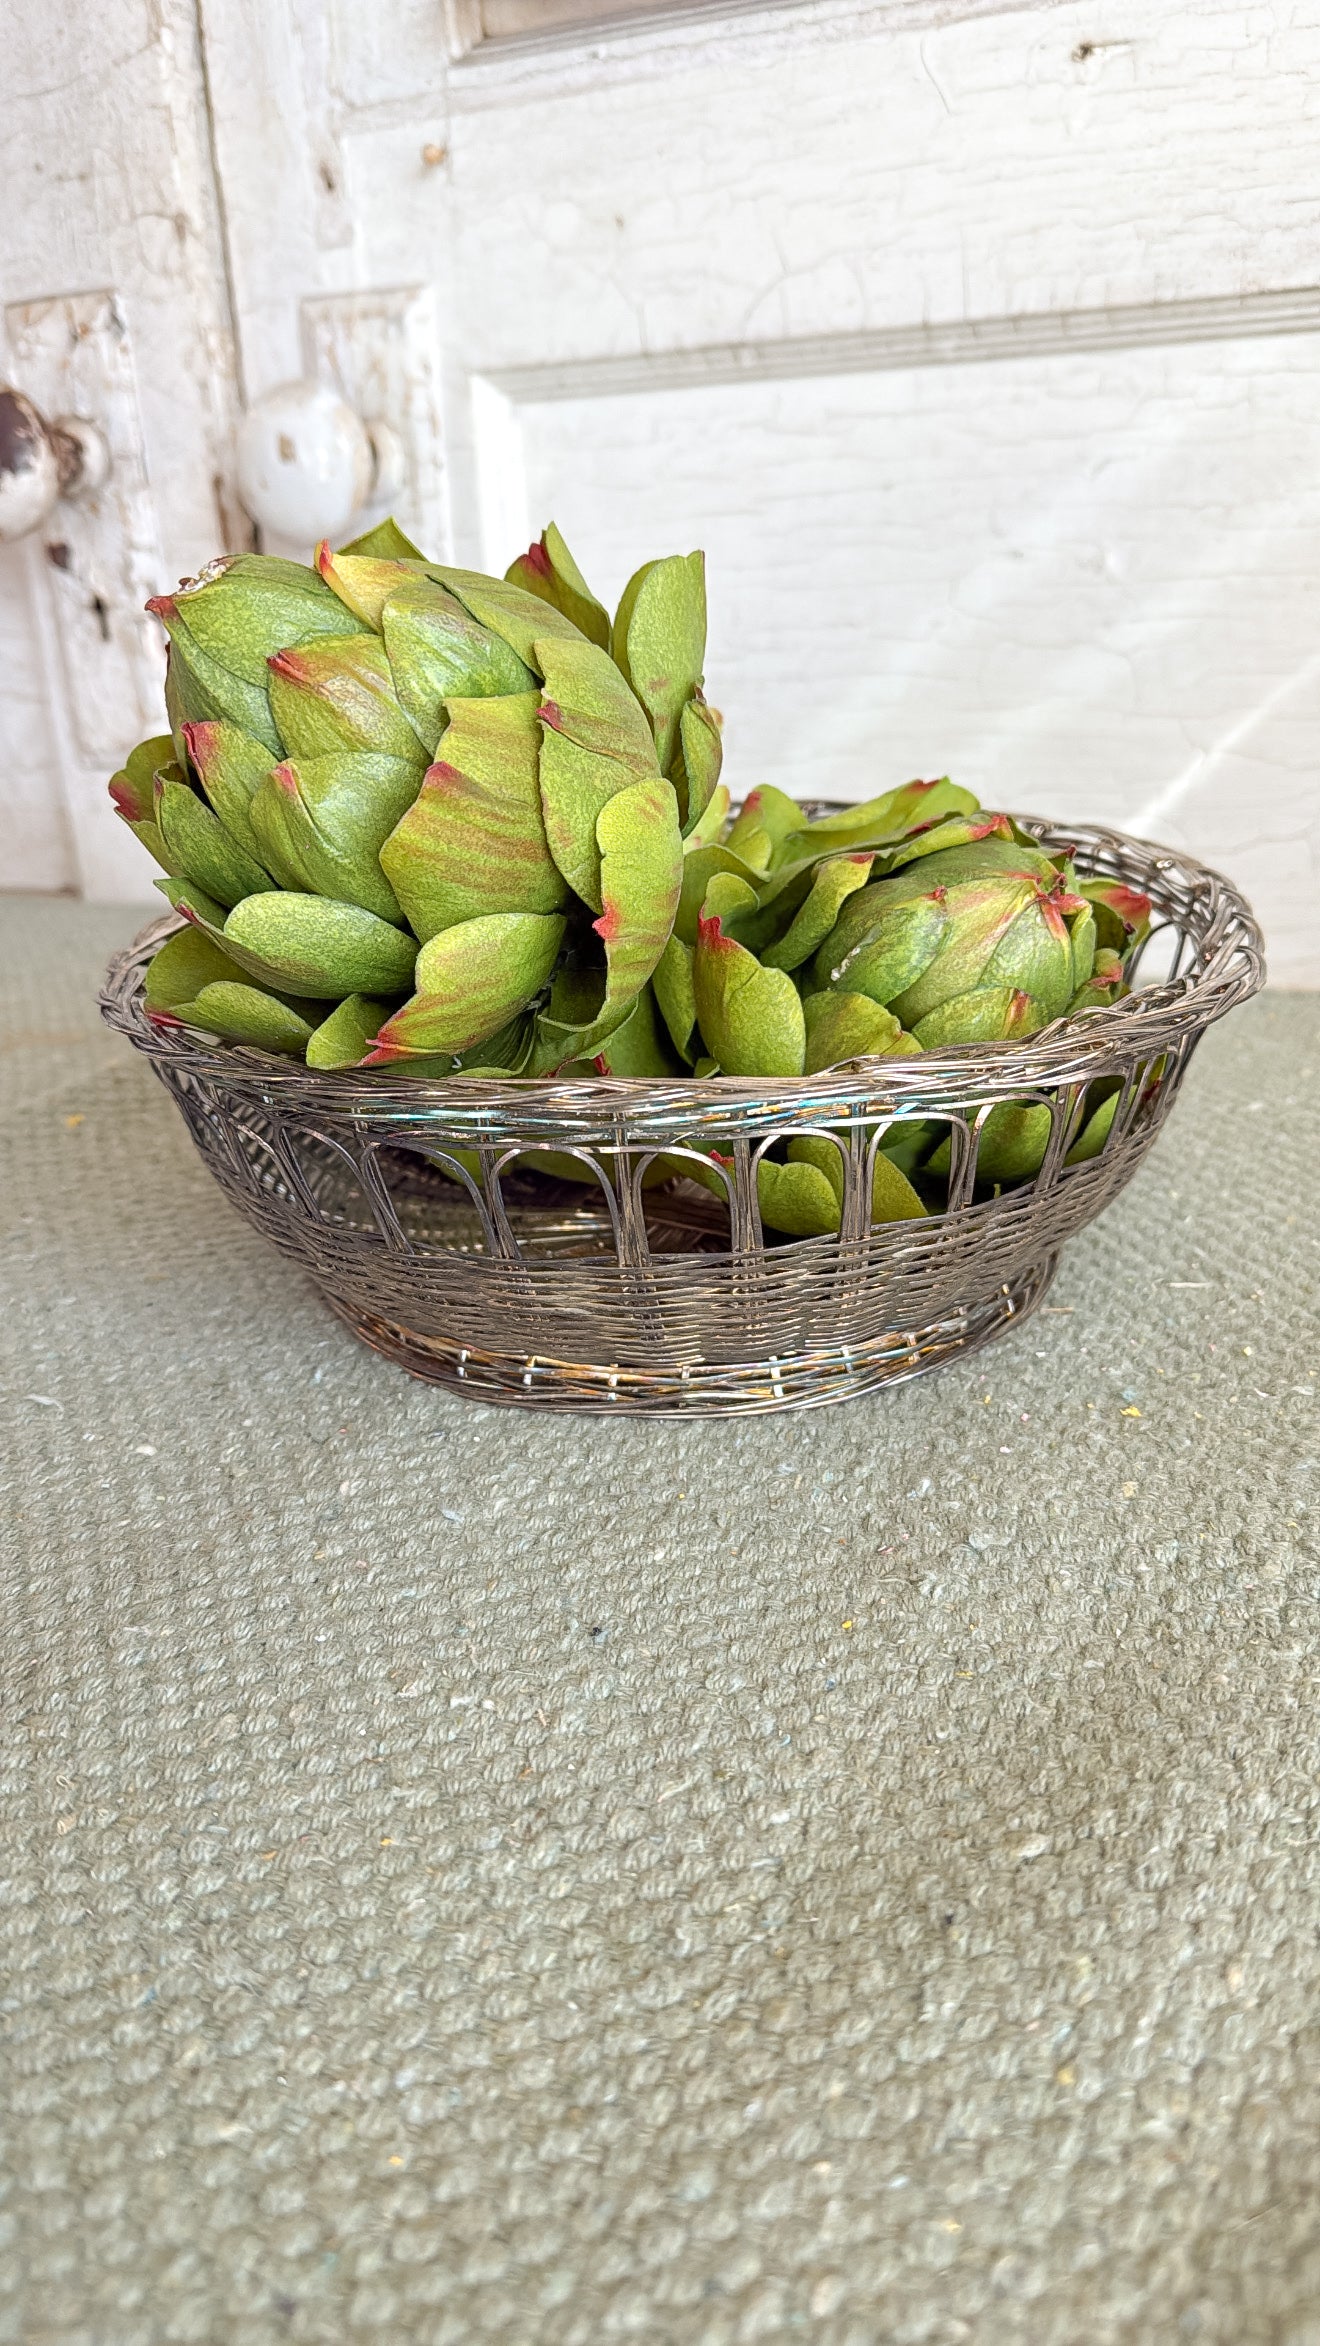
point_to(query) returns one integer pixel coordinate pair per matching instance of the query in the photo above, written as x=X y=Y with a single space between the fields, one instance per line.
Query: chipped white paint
x=104 y=130
x=101 y=559
x=103 y=551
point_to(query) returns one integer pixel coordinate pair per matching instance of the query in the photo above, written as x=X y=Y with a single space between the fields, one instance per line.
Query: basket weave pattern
x=610 y=1293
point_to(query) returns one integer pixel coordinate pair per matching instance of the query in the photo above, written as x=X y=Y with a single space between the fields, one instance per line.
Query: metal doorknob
x=307 y=463
x=41 y=462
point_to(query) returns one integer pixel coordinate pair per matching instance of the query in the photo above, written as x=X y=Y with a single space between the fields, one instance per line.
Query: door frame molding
x=933 y=342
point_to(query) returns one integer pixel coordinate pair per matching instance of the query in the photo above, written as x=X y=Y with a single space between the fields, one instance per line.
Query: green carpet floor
x=852 y=1877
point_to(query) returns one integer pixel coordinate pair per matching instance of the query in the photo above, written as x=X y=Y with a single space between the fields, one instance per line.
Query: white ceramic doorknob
x=41 y=462
x=307 y=463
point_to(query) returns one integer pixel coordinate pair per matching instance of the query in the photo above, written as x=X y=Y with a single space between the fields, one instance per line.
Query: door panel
x=108 y=181
x=1086 y=586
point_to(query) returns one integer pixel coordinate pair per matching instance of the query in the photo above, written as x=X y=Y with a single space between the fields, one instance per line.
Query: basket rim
x=1093 y=1043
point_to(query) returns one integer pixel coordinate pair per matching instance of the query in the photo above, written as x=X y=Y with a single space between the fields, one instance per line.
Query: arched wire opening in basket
x=416 y=1206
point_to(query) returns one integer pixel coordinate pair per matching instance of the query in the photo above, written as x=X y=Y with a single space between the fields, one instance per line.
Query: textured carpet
x=468 y=1877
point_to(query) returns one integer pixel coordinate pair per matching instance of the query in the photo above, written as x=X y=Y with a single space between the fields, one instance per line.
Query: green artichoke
x=420 y=818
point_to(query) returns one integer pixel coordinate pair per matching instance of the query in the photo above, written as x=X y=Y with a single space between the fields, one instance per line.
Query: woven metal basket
x=611 y=1293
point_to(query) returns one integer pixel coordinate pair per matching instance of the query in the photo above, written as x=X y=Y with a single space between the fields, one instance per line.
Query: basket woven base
x=803 y=1380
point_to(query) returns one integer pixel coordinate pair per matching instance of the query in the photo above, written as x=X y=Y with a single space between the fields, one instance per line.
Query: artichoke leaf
x=878 y=824
x=731 y=900
x=132 y=792
x=336 y=694
x=672 y=981
x=346 y=1036
x=696 y=766
x=1035 y=953
x=764 y=823
x=439 y=653
x=197 y=691
x=362 y=581
x=894 y=950
x=1095 y=1131
x=985 y=1014
x=641 y=861
x=473 y=840
x=595 y=742
x=192 y=978
x=548 y=570
x=244 y=1013
x=796 y=1198
x=956 y=831
x=843 y=1026
x=641 y=1047
x=188 y=960
x=1081 y=932
x=231 y=766
x=751 y=1018
x=832 y=884
x=385 y=542
x=325 y=820
x=893 y=1199
x=508 y=610
x=710 y=822
x=700 y=865
x=660 y=645
x=896 y=813
x=245 y=607
x=470 y=981
x=225 y=626
x=133 y=787
x=199 y=847
x=1122 y=914
x=309 y=945
x=1106 y=983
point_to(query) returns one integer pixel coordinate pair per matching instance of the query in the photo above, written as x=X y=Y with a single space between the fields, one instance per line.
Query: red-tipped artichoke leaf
x=473 y=841
x=347 y=1035
x=750 y=1017
x=326 y=820
x=548 y=571
x=336 y=694
x=470 y=981
x=438 y=653
x=231 y=766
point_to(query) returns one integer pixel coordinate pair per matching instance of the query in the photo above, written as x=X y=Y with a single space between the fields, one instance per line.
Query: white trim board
x=583 y=56
x=952 y=342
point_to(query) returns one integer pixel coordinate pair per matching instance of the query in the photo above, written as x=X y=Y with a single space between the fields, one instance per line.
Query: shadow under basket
x=416 y=1206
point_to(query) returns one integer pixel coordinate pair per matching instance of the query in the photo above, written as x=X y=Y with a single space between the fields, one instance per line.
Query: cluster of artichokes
x=420 y=818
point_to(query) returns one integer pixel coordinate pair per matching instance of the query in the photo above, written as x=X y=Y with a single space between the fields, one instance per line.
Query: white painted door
x=980 y=347
x=112 y=304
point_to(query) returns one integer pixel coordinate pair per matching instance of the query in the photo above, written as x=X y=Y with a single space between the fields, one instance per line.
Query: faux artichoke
x=419 y=818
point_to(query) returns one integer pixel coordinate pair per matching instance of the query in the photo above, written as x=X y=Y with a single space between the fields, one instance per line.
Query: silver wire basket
x=611 y=1293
